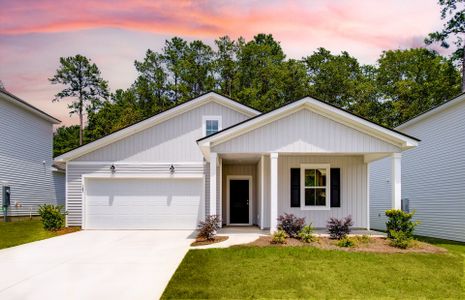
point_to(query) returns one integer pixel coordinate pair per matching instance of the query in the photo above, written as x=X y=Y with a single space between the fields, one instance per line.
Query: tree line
x=400 y=85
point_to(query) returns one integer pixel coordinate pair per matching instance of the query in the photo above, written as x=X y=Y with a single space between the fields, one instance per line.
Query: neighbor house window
x=315 y=186
x=211 y=125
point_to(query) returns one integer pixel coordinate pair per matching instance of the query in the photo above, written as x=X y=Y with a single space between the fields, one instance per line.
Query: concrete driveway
x=93 y=265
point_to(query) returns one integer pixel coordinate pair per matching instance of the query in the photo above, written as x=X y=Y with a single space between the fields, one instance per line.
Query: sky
x=34 y=34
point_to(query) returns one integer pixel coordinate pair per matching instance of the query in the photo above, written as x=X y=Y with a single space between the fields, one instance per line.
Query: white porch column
x=274 y=191
x=213 y=196
x=396 y=182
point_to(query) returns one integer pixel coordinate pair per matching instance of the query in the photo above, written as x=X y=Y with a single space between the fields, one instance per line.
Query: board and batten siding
x=26 y=159
x=353 y=189
x=173 y=140
x=305 y=131
x=380 y=192
x=75 y=172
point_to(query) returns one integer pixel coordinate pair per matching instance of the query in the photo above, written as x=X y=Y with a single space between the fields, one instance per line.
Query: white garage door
x=143 y=203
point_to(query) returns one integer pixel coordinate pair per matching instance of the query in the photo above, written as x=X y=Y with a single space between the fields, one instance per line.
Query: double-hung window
x=211 y=125
x=315 y=186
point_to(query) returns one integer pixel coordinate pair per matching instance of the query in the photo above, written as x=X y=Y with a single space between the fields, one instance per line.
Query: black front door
x=239 y=201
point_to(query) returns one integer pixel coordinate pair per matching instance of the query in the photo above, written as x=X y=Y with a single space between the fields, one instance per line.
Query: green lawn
x=305 y=272
x=21 y=232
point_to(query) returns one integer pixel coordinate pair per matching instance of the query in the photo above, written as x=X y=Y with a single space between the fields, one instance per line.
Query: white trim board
x=157 y=119
x=239 y=177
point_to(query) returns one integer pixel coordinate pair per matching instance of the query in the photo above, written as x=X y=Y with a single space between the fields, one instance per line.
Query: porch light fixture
x=172 y=170
x=113 y=169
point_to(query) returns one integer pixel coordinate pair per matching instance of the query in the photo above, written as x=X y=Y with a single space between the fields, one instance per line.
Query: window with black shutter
x=295 y=187
x=335 y=187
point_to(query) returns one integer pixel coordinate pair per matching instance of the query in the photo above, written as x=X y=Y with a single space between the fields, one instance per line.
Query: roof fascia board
x=432 y=111
x=157 y=119
x=23 y=104
x=323 y=109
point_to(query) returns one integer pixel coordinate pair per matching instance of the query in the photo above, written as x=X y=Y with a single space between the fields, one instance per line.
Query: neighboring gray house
x=26 y=156
x=213 y=155
x=433 y=174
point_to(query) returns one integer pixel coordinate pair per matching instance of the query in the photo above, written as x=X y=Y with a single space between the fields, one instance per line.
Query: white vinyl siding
x=433 y=175
x=305 y=132
x=173 y=140
x=380 y=192
x=26 y=159
x=353 y=189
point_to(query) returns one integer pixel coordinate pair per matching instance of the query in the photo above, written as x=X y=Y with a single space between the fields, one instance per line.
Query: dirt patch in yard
x=372 y=244
x=203 y=242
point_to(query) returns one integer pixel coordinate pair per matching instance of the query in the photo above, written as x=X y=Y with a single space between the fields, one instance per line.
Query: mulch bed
x=374 y=244
x=203 y=242
x=66 y=230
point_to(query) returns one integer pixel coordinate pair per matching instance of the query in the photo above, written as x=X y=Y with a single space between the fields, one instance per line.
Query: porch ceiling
x=240 y=158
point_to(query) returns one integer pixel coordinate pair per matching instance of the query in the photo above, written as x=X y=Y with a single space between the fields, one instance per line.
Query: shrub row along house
x=26 y=163
x=214 y=156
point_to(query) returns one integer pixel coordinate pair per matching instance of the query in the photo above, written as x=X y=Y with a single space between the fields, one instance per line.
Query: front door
x=239 y=201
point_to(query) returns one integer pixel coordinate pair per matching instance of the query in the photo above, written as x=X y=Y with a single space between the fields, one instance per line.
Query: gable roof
x=23 y=104
x=434 y=110
x=156 y=119
x=392 y=136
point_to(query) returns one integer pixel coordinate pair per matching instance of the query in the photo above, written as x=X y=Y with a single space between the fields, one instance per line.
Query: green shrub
x=400 y=239
x=400 y=221
x=279 y=237
x=306 y=234
x=53 y=216
x=346 y=242
x=363 y=239
x=339 y=228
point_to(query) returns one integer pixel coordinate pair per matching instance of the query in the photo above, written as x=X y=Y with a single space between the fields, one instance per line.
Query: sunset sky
x=34 y=34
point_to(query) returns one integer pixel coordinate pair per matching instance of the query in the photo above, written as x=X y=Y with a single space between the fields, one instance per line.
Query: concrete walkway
x=93 y=265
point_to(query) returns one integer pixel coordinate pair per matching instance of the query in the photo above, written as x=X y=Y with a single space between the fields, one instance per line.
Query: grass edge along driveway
x=21 y=232
x=306 y=272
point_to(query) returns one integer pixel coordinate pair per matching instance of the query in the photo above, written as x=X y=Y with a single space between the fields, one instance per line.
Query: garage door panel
x=143 y=203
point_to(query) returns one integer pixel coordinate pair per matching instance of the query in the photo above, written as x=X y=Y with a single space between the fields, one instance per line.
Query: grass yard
x=22 y=232
x=307 y=272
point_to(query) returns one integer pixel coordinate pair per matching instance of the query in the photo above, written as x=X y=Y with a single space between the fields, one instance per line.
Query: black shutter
x=335 y=187
x=295 y=187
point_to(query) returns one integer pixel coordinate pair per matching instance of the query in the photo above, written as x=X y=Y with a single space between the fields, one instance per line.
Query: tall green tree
x=151 y=86
x=198 y=69
x=83 y=82
x=173 y=54
x=65 y=139
x=225 y=64
x=412 y=81
x=453 y=31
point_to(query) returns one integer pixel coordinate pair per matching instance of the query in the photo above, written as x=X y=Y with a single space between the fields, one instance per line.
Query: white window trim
x=211 y=118
x=303 y=167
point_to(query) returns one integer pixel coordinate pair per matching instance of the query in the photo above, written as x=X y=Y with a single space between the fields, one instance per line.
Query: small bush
x=339 y=229
x=209 y=227
x=306 y=234
x=53 y=216
x=400 y=221
x=291 y=224
x=279 y=237
x=363 y=239
x=346 y=242
x=399 y=239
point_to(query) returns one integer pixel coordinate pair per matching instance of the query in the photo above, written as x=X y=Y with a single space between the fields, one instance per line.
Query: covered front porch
x=254 y=189
x=307 y=158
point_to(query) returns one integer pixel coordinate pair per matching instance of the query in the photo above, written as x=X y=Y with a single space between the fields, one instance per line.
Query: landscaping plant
x=291 y=224
x=53 y=216
x=400 y=228
x=209 y=227
x=306 y=234
x=339 y=228
x=346 y=242
x=279 y=237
